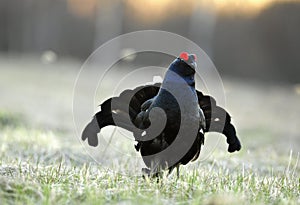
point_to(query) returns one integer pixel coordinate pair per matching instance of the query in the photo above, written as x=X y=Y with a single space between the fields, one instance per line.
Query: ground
x=43 y=162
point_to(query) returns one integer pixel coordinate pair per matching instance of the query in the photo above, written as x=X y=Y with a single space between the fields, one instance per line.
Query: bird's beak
x=193 y=64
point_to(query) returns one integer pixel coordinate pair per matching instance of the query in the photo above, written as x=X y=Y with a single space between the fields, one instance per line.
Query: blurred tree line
x=264 y=47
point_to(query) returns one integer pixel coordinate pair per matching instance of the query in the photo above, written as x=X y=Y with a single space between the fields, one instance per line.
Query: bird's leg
x=177 y=170
x=154 y=171
x=146 y=172
x=171 y=170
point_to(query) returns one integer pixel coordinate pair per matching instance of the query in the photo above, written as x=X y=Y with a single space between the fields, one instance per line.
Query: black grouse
x=168 y=119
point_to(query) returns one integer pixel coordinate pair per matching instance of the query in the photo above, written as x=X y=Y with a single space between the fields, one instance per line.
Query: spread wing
x=218 y=120
x=116 y=111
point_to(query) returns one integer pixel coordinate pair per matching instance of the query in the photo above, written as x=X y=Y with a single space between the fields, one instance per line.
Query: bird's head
x=185 y=66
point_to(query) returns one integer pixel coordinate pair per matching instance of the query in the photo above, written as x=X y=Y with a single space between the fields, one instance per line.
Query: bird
x=168 y=120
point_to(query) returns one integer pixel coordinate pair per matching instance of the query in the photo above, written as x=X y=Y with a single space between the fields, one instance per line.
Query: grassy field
x=42 y=162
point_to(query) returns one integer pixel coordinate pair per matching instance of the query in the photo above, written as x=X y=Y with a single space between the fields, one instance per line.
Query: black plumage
x=187 y=115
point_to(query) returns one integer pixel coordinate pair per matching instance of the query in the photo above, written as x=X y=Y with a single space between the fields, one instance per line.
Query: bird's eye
x=184 y=56
x=194 y=57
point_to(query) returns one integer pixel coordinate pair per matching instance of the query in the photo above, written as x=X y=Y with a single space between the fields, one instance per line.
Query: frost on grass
x=41 y=167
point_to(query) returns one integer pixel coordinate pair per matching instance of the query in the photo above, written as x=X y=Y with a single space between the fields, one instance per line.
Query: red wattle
x=184 y=56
